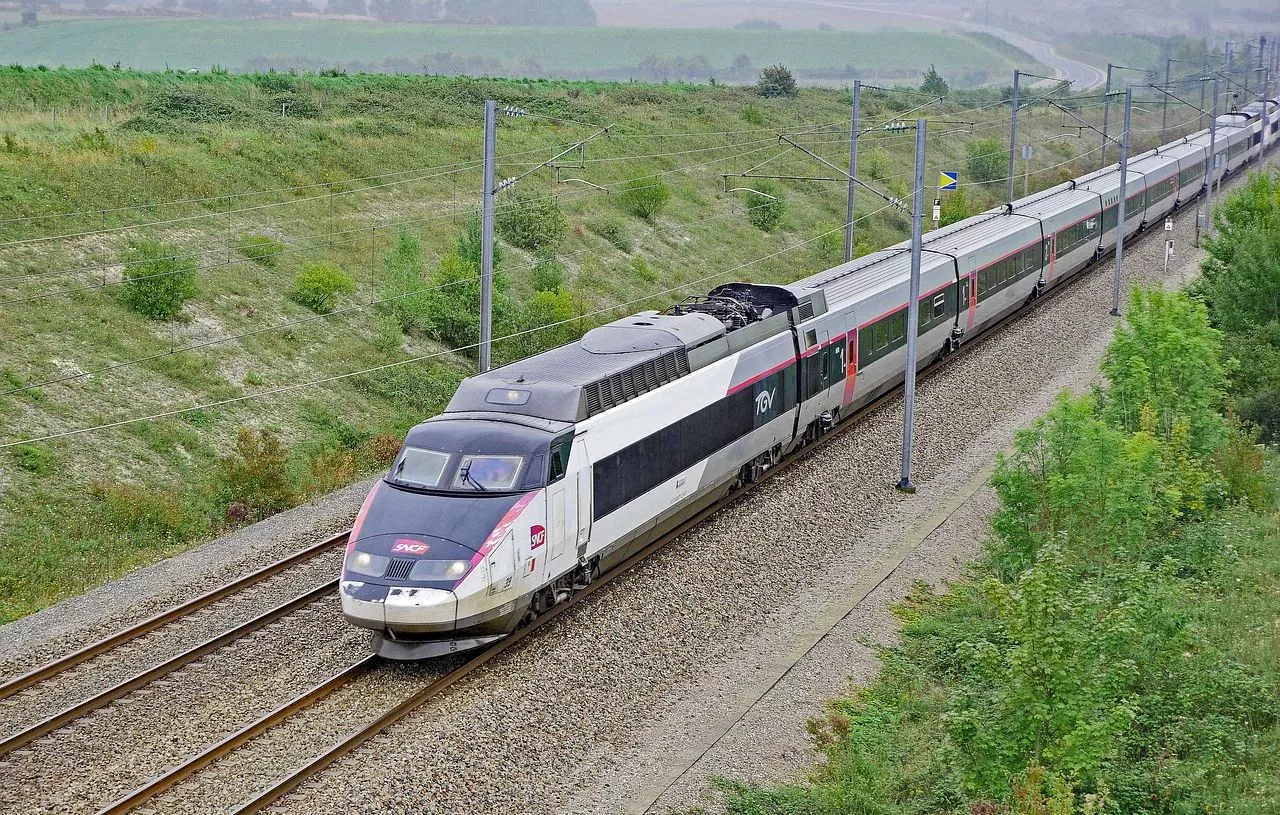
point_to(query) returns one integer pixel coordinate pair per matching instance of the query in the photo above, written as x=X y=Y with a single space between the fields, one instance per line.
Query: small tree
x=318 y=285
x=401 y=285
x=988 y=159
x=644 y=197
x=158 y=278
x=776 y=81
x=29 y=17
x=954 y=208
x=934 y=84
x=261 y=249
x=530 y=221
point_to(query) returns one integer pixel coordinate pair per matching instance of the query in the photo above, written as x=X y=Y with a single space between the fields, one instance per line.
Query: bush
x=551 y=319
x=613 y=231
x=531 y=221
x=751 y=115
x=261 y=249
x=988 y=159
x=764 y=213
x=1263 y=410
x=256 y=474
x=388 y=335
x=776 y=81
x=548 y=275
x=318 y=285
x=644 y=198
x=34 y=459
x=402 y=286
x=875 y=163
x=158 y=278
x=954 y=208
x=934 y=84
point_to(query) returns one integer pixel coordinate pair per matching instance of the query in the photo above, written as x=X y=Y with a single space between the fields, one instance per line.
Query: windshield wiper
x=465 y=472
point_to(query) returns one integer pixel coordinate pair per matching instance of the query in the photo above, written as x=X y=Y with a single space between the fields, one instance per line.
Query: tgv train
x=544 y=472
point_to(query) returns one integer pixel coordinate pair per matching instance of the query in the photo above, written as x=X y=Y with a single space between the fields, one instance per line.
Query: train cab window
x=485 y=473
x=559 y=462
x=417 y=467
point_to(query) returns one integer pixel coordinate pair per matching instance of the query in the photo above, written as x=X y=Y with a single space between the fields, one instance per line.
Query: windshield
x=433 y=469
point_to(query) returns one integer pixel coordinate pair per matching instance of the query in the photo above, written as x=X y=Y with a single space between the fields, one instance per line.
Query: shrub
x=34 y=459
x=1263 y=410
x=550 y=316
x=318 y=285
x=261 y=249
x=613 y=231
x=776 y=81
x=470 y=245
x=388 y=335
x=644 y=198
x=158 y=278
x=402 y=286
x=548 y=275
x=751 y=115
x=531 y=221
x=954 y=208
x=256 y=474
x=875 y=163
x=765 y=213
x=987 y=159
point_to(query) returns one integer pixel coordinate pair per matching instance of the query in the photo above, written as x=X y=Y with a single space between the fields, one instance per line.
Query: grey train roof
x=621 y=360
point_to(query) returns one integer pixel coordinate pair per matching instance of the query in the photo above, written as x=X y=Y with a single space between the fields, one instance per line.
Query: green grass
x=124 y=143
x=155 y=44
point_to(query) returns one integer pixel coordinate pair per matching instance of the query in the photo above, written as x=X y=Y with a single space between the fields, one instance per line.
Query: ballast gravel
x=595 y=712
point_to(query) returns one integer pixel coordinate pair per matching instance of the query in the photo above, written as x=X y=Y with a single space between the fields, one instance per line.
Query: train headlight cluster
x=367 y=564
x=439 y=569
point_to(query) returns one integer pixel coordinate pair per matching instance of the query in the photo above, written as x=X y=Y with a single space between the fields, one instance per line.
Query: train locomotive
x=543 y=473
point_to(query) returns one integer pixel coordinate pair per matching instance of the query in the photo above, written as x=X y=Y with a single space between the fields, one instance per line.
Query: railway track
x=112 y=644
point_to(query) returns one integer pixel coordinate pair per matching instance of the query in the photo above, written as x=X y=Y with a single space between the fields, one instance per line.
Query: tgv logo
x=764 y=401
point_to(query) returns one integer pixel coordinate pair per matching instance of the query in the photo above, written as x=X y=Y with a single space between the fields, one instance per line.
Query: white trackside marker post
x=913 y=314
x=1168 y=245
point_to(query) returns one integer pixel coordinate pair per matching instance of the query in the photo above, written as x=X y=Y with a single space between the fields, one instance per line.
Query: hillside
x=365 y=186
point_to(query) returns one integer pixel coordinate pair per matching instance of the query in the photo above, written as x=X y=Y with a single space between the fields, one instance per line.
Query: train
x=542 y=474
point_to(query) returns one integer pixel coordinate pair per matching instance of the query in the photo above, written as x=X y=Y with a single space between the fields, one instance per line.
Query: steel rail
x=110 y=695
x=218 y=750
x=113 y=641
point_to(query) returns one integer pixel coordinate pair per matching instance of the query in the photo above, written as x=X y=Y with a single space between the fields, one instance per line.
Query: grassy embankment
x=353 y=163
x=608 y=53
x=1115 y=649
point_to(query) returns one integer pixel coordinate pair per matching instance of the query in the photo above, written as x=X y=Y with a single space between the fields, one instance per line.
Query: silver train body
x=544 y=472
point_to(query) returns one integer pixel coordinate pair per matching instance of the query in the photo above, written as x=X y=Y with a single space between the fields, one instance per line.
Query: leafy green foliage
x=551 y=318
x=987 y=159
x=776 y=81
x=531 y=221
x=158 y=278
x=766 y=211
x=548 y=275
x=751 y=115
x=319 y=284
x=955 y=207
x=261 y=249
x=1263 y=410
x=1166 y=356
x=34 y=458
x=256 y=474
x=402 y=285
x=644 y=198
x=875 y=162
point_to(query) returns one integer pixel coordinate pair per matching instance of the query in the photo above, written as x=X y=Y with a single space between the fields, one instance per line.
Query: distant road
x=1082 y=75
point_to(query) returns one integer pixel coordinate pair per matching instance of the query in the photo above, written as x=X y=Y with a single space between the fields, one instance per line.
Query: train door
x=1051 y=258
x=562 y=509
x=582 y=466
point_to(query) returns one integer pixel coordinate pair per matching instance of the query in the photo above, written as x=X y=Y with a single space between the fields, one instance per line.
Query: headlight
x=365 y=563
x=439 y=569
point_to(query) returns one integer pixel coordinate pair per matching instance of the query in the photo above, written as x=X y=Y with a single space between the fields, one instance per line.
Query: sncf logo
x=408 y=546
x=764 y=401
x=537 y=536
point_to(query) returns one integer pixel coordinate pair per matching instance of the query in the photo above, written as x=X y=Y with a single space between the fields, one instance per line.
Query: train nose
x=407 y=609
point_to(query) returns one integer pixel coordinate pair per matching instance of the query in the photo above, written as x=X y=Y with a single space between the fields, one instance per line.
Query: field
x=258 y=181
x=618 y=53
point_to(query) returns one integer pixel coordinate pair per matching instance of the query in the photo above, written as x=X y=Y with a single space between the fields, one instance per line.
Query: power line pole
x=1208 y=176
x=486 y=234
x=853 y=167
x=1204 y=77
x=1013 y=131
x=1124 y=177
x=1106 y=116
x=1164 y=98
x=913 y=313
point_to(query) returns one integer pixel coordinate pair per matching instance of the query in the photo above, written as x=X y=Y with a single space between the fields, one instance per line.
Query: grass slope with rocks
x=201 y=247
